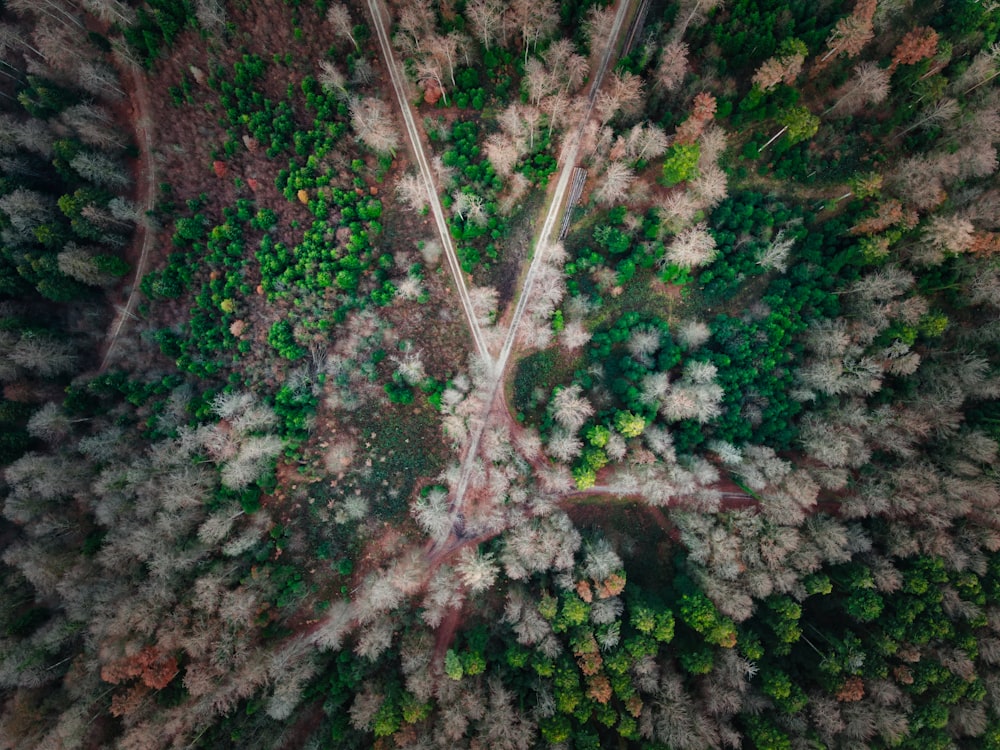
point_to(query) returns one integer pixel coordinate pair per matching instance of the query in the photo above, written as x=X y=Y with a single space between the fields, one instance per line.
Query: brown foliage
x=634 y=706
x=599 y=689
x=702 y=113
x=850 y=34
x=852 y=690
x=151 y=665
x=126 y=703
x=985 y=243
x=917 y=45
x=613 y=585
x=890 y=213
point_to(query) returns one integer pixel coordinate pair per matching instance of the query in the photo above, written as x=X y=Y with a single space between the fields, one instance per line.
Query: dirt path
x=556 y=203
x=147 y=187
x=379 y=13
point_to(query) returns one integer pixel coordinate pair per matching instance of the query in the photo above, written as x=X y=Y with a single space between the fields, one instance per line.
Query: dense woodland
x=738 y=488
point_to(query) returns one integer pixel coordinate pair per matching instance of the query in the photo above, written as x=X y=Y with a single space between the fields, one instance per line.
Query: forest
x=516 y=374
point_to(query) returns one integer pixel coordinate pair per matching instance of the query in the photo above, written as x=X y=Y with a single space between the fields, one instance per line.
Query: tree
x=100 y=169
x=798 y=122
x=487 y=20
x=111 y=11
x=617 y=177
x=211 y=15
x=869 y=85
x=673 y=66
x=694 y=246
x=83 y=265
x=623 y=93
x=339 y=19
x=680 y=163
x=916 y=45
x=691 y=12
x=411 y=191
x=784 y=67
x=851 y=33
x=536 y=19
x=702 y=112
x=373 y=124
x=570 y=408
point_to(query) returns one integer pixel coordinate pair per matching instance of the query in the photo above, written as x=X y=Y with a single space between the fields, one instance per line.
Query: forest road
x=379 y=13
x=142 y=128
x=567 y=157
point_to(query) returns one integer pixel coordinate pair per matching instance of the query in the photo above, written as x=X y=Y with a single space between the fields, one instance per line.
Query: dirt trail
x=379 y=13
x=147 y=187
x=568 y=158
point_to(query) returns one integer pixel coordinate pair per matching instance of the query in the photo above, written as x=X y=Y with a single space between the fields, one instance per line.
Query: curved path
x=379 y=13
x=142 y=130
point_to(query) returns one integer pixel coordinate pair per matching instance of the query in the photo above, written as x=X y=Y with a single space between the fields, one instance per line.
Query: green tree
x=680 y=163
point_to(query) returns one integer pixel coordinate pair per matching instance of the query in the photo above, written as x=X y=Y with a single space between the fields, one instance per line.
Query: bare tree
x=940 y=111
x=111 y=11
x=43 y=356
x=870 y=84
x=536 y=20
x=339 y=19
x=570 y=408
x=691 y=12
x=568 y=67
x=372 y=121
x=775 y=254
x=597 y=26
x=411 y=191
x=332 y=79
x=614 y=183
x=692 y=247
x=487 y=20
x=645 y=141
x=25 y=209
x=623 y=93
x=94 y=125
x=673 y=65
x=100 y=169
x=211 y=15
x=503 y=153
x=81 y=264
x=953 y=234
x=54 y=9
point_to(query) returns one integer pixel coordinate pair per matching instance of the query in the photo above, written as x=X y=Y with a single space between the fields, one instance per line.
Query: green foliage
x=157 y=27
x=629 y=425
x=453 y=667
x=282 y=338
x=801 y=123
x=680 y=163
